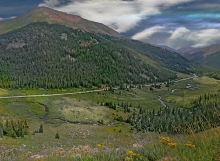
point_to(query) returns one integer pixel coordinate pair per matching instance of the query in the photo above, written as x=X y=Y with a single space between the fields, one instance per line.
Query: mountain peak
x=45 y=14
x=55 y=16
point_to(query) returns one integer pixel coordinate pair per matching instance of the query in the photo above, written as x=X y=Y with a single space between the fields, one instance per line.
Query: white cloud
x=51 y=3
x=124 y=15
x=12 y=17
x=117 y=14
x=147 y=32
x=205 y=37
x=179 y=37
x=180 y=33
x=7 y=18
x=198 y=38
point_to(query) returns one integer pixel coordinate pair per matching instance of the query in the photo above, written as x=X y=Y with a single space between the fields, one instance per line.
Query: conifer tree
x=41 y=130
x=57 y=136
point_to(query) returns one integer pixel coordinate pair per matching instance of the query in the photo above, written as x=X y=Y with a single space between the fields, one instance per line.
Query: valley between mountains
x=73 y=89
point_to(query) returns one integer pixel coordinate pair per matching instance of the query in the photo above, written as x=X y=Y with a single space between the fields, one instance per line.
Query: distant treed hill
x=55 y=56
x=215 y=75
x=211 y=60
x=209 y=55
x=165 y=58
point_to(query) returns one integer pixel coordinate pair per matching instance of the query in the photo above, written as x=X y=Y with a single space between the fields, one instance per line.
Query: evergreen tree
x=57 y=136
x=41 y=130
x=1 y=132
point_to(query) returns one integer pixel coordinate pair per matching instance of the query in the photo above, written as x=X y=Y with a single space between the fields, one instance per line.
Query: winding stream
x=45 y=117
x=161 y=101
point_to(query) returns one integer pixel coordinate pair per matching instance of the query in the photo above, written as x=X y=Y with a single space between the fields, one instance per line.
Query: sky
x=174 y=23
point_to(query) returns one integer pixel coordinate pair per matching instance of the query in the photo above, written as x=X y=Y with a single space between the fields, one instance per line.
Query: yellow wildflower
x=172 y=144
x=75 y=149
x=127 y=158
x=130 y=152
x=98 y=145
x=38 y=159
x=189 y=144
x=165 y=139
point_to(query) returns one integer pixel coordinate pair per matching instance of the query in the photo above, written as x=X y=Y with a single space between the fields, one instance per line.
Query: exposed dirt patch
x=64 y=36
x=16 y=44
x=62 y=17
x=145 y=76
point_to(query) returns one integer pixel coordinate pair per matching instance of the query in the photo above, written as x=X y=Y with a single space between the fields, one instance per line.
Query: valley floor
x=89 y=130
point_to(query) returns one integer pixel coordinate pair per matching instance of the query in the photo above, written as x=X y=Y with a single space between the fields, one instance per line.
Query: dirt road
x=63 y=94
x=50 y=95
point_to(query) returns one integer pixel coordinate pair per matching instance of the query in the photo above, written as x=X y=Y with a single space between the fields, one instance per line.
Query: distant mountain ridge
x=44 y=14
x=166 y=47
x=208 y=55
x=187 y=50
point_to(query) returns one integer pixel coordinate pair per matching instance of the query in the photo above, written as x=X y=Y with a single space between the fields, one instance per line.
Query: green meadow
x=89 y=130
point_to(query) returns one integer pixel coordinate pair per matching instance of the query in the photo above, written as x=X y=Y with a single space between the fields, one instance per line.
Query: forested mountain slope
x=165 y=58
x=54 y=56
x=212 y=60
